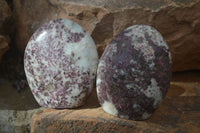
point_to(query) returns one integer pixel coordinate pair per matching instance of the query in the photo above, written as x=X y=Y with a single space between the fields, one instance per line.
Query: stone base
x=179 y=112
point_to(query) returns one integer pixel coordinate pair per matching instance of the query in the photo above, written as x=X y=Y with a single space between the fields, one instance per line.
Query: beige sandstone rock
x=178 y=21
x=179 y=112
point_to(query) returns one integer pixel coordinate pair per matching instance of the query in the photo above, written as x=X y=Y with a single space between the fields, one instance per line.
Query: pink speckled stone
x=134 y=73
x=60 y=63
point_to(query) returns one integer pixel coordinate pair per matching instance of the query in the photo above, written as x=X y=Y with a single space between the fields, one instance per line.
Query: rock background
x=3 y=46
x=14 y=116
x=5 y=15
x=178 y=21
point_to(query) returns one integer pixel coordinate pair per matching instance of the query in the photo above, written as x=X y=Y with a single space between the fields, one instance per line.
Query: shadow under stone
x=11 y=99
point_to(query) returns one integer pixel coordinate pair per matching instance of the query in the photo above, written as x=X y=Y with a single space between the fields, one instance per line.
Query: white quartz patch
x=146 y=49
x=75 y=91
x=155 y=35
x=73 y=26
x=98 y=84
x=153 y=91
x=74 y=102
x=87 y=59
x=109 y=108
x=146 y=115
x=124 y=116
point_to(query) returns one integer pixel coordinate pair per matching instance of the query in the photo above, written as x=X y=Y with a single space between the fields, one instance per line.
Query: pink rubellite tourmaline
x=60 y=63
x=134 y=73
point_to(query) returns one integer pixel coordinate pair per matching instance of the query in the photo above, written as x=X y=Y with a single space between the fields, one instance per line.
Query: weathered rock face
x=3 y=46
x=134 y=73
x=5 y=14
x=177 y=21
x=60 y=63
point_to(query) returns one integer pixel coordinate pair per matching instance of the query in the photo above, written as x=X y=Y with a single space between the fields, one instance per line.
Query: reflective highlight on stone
x=134 y=73
x=60 y=62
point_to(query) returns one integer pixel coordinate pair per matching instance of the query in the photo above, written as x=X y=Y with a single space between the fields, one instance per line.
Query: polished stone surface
x=60 y=63
x=134 y=73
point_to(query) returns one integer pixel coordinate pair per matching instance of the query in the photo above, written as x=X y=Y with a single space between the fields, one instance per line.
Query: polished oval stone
x=134 y=73
x=60 y=63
